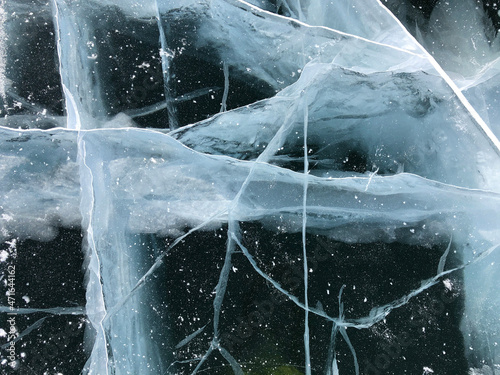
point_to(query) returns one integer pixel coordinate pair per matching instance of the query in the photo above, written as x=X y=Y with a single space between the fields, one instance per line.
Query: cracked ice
x=250 y=187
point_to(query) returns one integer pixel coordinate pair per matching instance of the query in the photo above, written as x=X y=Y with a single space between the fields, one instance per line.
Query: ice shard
x=261 y=187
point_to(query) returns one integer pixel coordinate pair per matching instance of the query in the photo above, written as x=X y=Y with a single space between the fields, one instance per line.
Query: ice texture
x=462 y=37
x=261 y=187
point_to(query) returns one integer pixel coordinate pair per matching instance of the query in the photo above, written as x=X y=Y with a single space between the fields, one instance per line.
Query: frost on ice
x=259 y=187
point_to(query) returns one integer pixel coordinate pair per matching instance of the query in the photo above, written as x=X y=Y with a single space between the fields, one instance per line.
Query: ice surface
x=40 y=186
x=292 y=187
x=462 y=36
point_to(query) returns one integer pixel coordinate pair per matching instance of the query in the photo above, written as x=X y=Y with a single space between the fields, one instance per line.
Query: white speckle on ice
x=6 y=217
x=448 y=284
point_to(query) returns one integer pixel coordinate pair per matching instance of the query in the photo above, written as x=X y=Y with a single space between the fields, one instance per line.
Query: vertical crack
x=343 y=332
x=331 y=363
x=220 y=291
x=223 y=107
x=304 y=249
x=95 y=306
x=73 y=118
x=96 y=310
x=167 y=56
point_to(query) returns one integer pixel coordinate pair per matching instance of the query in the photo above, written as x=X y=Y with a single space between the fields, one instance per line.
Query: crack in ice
x=94 y=282
x=304 y=250
x=256 y=9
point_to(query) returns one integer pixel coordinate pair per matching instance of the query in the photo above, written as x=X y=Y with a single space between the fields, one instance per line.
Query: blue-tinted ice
x=261 y=187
